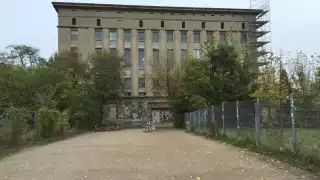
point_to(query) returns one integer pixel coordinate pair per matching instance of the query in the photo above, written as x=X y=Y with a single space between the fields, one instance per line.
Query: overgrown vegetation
x=225 y=73
x=45 y=98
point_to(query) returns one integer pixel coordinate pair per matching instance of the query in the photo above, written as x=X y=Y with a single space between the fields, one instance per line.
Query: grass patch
x=303 y=161
x=10 y=150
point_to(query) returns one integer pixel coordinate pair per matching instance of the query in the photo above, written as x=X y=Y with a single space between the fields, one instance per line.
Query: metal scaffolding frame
x=260 y=27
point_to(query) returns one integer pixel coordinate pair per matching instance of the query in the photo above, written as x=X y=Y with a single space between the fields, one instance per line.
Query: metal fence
x=278 y=127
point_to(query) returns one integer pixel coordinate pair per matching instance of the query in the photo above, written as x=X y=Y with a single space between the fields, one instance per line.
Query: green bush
x=17 y=126
x=63 y=125
x=47 y=122
x=51 y=123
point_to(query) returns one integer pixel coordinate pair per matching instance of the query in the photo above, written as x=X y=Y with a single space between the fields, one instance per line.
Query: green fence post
x=222 y=116
x=257 y=119
x=238 y=120
x=293 y=122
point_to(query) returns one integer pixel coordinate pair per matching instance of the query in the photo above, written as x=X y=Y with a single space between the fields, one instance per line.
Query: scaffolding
x=260 y=27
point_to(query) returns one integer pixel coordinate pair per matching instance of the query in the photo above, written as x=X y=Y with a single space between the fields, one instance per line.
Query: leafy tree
x=230 y=74
x=24 y=55
x=272 y=81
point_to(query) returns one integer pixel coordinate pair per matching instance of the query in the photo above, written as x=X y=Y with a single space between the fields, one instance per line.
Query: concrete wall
x=86 y=20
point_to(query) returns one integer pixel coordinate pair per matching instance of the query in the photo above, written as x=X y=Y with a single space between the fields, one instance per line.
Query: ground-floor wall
x=156 y=109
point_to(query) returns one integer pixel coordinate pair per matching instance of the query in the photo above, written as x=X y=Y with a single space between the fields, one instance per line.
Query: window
x=156 y=93
x=243 y=37
x=74 y=21
x=203 y=25
x=169 y=36
x=140 y=36
x=222 y=35
x=113 y=51
x=142 y=93
x=222 y=25
x=142 y=83
x=155 y=36
x=170 y=58
x=243 y=25
x=73 y=49
x=156 y=56
x=184 y=36
x=127 y=94
x=209 y=35
x=183 y=24
x=127 y=35
x=183 y=55
x=74 y=36
x=141 y=23
x=99 y=50
x=162 y=24
x=127 y=57
x=141 y=58
x=197 y=53
x=113 y=35
x=98 y=34
x=127 y=83
x=98 y=22
x=196 y=36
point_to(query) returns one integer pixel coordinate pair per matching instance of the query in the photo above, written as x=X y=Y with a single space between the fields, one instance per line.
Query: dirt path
x=132 y=154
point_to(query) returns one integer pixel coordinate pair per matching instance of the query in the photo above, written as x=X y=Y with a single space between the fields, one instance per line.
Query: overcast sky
x=295 y=24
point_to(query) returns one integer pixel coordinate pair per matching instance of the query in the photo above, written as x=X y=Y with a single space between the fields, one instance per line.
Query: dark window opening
x=243 y=25
x=74 y=21
x=98 y=22
x=183 y=24
x=141 y=23
x=203 y=24
x=222 y=25
x=162 y=24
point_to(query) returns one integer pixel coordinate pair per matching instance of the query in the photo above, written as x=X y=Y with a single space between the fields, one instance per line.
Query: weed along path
x=134 y=155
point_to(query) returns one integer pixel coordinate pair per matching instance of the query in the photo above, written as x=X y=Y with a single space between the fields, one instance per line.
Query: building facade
x=145 y=35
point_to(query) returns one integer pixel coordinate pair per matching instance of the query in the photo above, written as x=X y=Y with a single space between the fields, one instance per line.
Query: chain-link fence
x=279 y=127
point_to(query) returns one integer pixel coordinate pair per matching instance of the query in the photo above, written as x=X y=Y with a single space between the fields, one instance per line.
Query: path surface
x=134 y=155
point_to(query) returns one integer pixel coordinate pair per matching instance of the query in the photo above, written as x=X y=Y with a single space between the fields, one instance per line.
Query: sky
x=294 y=23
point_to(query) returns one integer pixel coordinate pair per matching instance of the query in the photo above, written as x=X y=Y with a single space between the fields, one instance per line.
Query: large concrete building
x=144 y=35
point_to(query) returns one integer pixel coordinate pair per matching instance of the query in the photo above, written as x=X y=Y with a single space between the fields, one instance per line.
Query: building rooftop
x=171 y=9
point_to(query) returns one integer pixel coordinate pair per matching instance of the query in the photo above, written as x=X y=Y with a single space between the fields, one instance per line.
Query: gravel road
x=134 y=155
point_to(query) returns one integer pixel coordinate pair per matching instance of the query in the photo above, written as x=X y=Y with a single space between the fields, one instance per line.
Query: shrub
x=47 y=122
x=51 y=122
x=63 y=125
x=17 y=126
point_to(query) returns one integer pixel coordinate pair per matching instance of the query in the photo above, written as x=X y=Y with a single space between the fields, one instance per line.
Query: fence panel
x=246 y=110
x=307 y=125
x=230 y=119
x=276 y=132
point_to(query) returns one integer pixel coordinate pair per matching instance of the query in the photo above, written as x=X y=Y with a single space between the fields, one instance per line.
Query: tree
x=230 y=74
x=24 y=55
x=272 y=81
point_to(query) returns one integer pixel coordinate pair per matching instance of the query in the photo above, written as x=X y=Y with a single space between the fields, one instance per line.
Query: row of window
x=183 y=24
x=155 y=36
x=156 y=57
x=127 y=83
x=142 y=94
